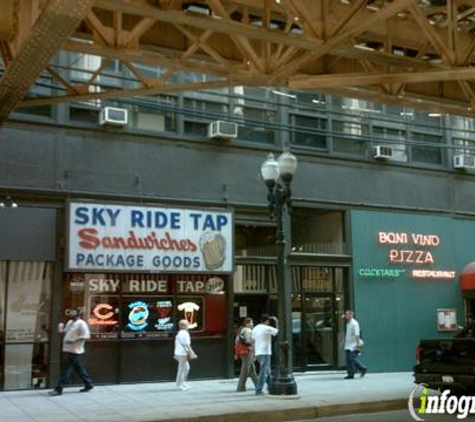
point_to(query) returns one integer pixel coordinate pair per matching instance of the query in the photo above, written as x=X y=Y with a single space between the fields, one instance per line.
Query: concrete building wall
x=65 y=162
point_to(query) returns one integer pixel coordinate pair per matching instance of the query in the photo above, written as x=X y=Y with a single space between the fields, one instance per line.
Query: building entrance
x=318 y=301
x=315 y=332
x=318 y=330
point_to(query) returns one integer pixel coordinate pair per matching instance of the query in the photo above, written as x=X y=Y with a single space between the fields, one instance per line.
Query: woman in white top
x=183 y=351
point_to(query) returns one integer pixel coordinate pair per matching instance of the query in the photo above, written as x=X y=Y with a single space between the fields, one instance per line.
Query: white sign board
x=132 y=238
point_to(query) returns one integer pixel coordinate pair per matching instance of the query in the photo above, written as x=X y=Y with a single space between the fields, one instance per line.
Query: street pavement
x=320 y=394
x=395 y=416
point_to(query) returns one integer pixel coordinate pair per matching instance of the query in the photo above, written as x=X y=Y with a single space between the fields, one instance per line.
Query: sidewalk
x=319 y=394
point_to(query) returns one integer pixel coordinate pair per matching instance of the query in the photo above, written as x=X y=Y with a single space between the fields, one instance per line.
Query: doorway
x=318 y=330
x=314 y=331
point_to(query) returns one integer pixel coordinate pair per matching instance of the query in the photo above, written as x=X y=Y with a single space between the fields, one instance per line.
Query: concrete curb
x=297 y=413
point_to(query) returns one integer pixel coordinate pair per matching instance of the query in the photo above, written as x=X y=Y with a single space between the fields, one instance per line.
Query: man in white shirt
x=262 y=334
x=76 y=332
x=353 y=345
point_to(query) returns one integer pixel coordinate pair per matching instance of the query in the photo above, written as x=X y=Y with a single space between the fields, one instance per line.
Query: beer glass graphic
x=213 y=249
x=189 y=309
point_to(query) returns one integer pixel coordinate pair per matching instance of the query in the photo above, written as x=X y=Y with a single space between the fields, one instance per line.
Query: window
x=309 y=98
x=83 y=114
x=252 y=278
x=318 y=231
x=462 y=123
x=398 y=148
x=347 y=137
x=308 y=131
x=154 y=114
x=43 y=111
x=394 y=111
x=199 y=114
x=430 y=119
x=426 y=154
x=25 y=305
x=253 y=240
x=147 y=306
x=83 y=66
x=255 y=126
x=466 y=146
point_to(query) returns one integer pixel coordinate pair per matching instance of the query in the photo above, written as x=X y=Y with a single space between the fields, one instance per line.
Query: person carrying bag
x=244 y=350
x=183 y=354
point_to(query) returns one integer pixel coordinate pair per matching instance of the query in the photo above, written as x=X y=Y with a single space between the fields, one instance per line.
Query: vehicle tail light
x=418 y=354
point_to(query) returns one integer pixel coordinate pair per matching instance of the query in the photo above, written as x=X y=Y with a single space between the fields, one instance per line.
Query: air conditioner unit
x=383 y=152
x=111 y=116
x=464 y=161
x=222 y=130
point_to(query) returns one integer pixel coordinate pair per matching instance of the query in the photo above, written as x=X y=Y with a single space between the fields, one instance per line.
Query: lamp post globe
x=270 y=169
x=287 y=165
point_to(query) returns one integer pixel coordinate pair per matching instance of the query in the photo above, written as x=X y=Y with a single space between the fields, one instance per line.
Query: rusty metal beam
x=57 y=22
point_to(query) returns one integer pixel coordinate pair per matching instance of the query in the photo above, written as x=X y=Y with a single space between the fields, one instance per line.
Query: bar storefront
x=137 y=271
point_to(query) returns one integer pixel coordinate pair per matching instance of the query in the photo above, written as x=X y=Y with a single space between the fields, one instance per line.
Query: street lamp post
x=277 y=176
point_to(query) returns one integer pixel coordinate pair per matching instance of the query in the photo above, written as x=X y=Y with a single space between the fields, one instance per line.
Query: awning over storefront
x=467 y=277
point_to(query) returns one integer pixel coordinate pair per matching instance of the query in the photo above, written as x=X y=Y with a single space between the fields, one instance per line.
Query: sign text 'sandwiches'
x=123 y=238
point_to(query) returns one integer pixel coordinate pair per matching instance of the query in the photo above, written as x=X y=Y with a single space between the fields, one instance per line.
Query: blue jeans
x=353 y=364
x=264 y=372
x=73 y=363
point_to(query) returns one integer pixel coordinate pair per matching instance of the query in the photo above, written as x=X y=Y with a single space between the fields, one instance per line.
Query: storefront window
x=317 y=279
x=147 y=306
x=251 y=278
x=27 y=289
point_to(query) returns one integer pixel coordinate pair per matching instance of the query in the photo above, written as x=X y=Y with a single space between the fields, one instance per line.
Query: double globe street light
x=278 y=175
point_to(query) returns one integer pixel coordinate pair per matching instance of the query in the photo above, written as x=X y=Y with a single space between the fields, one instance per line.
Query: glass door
x=318 y=330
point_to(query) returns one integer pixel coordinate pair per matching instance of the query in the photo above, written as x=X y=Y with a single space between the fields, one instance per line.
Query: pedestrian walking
x=76 y=333
x=353 y=344
x=244 y=347
x=262 y=335
x=183 y=354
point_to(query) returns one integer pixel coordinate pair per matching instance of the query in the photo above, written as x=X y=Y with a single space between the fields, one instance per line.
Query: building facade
x=387 y=238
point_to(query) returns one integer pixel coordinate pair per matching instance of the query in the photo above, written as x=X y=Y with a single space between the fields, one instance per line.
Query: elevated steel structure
x=417 y=53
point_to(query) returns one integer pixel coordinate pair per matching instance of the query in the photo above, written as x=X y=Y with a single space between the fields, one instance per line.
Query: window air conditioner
x=383 y=152
x=464 y=161
x=111 y=116
x=222 y=130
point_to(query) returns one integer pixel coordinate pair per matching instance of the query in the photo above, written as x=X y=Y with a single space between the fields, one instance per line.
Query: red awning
x=467 y=277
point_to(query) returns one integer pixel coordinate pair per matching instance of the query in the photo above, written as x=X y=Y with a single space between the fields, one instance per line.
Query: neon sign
x=433 y=274
x=189 y=309
x=380 y=272
x=403 y=238
x=164 y=310
x=411 y=257
x=408 y=248
x=138 y=316
x=104 y=315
